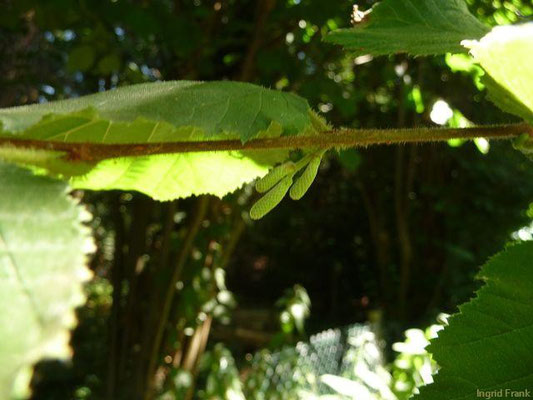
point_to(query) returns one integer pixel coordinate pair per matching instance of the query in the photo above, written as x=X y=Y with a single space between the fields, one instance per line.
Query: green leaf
x=43 y=247
x=506 y=54
x=417 y=27
x=167 y=177
x=487 y=345
x=218 y=109
x=162 y=112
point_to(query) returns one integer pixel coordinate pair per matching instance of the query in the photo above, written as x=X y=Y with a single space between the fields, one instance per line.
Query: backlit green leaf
x=506 y=54
x=171 y=176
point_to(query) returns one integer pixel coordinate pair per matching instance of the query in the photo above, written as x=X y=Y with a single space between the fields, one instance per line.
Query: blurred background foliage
x=387 y=236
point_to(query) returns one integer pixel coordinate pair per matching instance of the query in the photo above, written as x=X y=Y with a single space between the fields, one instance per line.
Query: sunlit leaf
x=43 y=247
x=417 y=27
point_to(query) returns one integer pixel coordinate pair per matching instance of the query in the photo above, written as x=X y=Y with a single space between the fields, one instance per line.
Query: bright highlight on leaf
x=416 y=27
x=170 y=176
x=506 y=54
x=43 y=247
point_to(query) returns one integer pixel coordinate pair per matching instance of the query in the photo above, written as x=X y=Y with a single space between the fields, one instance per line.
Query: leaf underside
x=487 y=345
x=156 y=113
x=416 y=27
x=43 y=247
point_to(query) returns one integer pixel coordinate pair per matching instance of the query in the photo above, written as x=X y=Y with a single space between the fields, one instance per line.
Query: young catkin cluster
x=304 y=181
x=277 y=182
x=270 y=200
x=267 y=182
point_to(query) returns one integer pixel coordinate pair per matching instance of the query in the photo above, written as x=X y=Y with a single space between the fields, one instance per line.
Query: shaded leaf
x=487 y=345
x=227 y=109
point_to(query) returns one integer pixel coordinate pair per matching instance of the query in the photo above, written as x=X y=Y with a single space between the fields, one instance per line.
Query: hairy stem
x=93 y=152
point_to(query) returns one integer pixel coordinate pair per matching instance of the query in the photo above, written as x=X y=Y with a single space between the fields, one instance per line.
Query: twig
x=94 y=152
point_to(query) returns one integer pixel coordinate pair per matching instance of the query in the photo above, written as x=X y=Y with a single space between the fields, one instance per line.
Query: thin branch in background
x=195 y=224
x=263 y=10
x=201 y=337
x=401 y=206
